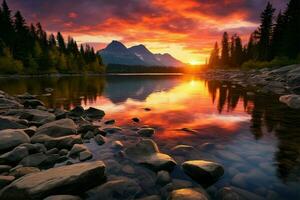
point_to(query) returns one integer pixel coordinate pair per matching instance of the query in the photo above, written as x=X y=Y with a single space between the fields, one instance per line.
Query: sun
x=195 y=62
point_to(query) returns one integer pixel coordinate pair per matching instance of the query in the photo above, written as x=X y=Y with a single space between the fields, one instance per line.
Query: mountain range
x=117 y=53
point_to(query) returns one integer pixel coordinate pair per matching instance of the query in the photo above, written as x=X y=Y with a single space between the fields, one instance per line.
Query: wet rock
x=136 y=120
x=128 y=169
x=227 y=193
x=94 y=113
x=204 y=172
x=179 y=184
x=5 y=180
x=30 y=131
x=85 y=155
x=190 y=130
x=62 y=127
x=122 y=188
x=112 y=130
x=163 y=178
x=26 y=95
x=110 y=122
x=52 y=151
x=63 y=197
x=33 y=115
x=146 y=132
x=78 y=111
x=117 y=144
x=99 y=139
x=246 y=194
x=86 y=128
x=34 y=160
x=187 y=194
x=147 y=153
x=76 y=149
x=63 y=152
x=4 y=168
x=49 y=90
x=180 y=149
x=35 y=148
x=207 y=146
x=14 y=156
x=32 y=103
x=10 y=138
x=70 y=179
x=292 y=101
x=88 y=135
x=22 y=171
x=65 y=142
x=6 y=103
x=10 y=123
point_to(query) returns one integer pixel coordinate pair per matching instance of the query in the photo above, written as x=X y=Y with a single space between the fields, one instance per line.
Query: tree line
x=30 y=50
x=275 y=42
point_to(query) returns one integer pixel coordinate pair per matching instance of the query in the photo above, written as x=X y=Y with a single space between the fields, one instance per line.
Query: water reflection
x=220 y=112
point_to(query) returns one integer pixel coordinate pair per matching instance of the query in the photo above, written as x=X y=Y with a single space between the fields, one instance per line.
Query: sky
x=187 y=29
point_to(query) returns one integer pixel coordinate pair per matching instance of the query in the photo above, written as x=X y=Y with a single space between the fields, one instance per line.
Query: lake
x=254 y=137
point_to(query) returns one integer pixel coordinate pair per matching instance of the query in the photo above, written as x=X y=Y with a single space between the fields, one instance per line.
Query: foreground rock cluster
x=282 y=81
x=53 y=154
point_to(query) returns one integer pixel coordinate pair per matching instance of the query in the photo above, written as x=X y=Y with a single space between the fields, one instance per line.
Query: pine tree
x=61 y=42
x=239 y=53
x=7 y=30
x=278 y=37
x=265 y=32
x=22 y=43
x=225 y=50
x=52 y=41
x=214 y=59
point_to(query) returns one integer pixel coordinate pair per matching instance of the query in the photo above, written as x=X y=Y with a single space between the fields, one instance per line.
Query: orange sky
x=186 y=29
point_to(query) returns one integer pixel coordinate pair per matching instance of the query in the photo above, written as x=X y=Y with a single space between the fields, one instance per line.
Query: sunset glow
x=187 y=30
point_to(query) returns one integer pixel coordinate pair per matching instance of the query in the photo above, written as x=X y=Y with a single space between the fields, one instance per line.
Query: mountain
x=145 y=55
x=117 y=53
x=168 y=60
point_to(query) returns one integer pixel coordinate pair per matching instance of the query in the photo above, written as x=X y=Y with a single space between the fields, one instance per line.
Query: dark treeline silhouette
x=276 y=42
x=28 y=49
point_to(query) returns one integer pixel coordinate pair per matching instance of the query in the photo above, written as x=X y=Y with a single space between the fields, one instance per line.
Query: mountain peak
x=115 y=46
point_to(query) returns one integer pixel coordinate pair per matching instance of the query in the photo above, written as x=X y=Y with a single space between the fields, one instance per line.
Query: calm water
x=256 y=138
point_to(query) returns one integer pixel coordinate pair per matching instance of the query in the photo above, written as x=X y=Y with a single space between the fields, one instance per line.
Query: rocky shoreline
x=54 y=154
x=283 y=81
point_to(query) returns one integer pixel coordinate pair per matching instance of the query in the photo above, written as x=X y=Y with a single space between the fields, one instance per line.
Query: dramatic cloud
x=187 y=29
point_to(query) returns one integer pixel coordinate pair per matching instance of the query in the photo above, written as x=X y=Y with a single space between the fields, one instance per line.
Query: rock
x=204 y=172
x=188 y=130
x=163 y=178
x=6 y=103
x=110 y=122
x=136 y=120
x=63 y=197
x=180 y=184
x=88 y=135
x=182 y=149
x=227 y=193
x=14 y=156
x=128 y=169
x=34 y=115
x=85 y=155
x=10 y=138
x=62 y=127
x=32 y=103
x=34 y=160
x=65 y=142
x=70 y=179
x=63 y=152
x=35 y=148
x=117 y=144
x=10 y=123
x=99 y=139
x=26 y=95
x=78 y=111
x=5 y=180
x=207 y=146
x=292 y=101
x=94 y=113
x=147 y=153
x=112 y=130
x=52 y=151
x=30 y=131
x=187 y=194
x=86 y=128
x=4 y=168
x=76 y=149
x=49 y=90
x=22 y=171
x=122 y=188
x=146 y=132
x=147 y=109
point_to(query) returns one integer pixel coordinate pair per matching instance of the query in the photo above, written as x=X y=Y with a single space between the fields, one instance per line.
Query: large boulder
x=204 y=172
x=34 y=115
x=147 y=153
x=10 y=138
x=70 y=179
x=292 y=101
x=94 y=113
x=122 y=188
x=10 y=123
x=187 y=194
x=6 y=103
x=58 y=128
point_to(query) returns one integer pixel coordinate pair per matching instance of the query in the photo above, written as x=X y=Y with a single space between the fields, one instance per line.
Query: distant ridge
x=117 y=53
